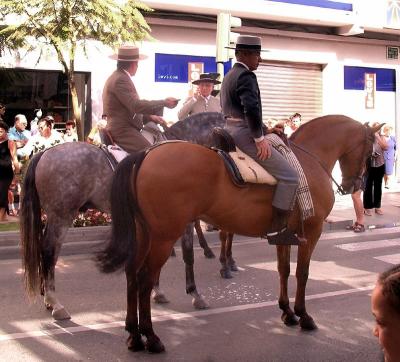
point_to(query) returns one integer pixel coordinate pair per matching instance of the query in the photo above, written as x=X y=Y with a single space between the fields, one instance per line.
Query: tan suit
x=125 y=111
x=193 y=106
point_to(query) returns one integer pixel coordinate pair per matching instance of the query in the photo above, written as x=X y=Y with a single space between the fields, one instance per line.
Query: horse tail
x=125 y=213
x=31 y=228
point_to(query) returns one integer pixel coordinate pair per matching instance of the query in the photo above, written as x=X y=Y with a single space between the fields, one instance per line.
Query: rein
x=340 y=189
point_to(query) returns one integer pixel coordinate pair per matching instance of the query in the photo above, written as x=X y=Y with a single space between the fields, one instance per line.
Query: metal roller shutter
x=287 y=88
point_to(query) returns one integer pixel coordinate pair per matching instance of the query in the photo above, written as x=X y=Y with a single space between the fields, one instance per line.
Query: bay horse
x=76 y=176
x=155 y=194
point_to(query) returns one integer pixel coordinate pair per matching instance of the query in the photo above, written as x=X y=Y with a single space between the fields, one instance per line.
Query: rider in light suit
x=203 y=100
x=125 y=111
x=241 y=104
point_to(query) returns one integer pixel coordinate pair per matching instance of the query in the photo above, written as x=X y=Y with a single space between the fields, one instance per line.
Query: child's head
x=385 y=306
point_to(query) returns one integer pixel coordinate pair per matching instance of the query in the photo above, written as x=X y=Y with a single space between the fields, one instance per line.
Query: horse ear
x=366 y=124
x=377 y=127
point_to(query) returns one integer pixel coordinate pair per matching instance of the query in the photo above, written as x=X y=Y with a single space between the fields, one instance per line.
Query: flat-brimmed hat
x=207 y=78
x=248 y=42
x=128 y=53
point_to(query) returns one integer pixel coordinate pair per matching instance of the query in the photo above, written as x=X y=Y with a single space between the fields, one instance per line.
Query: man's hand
x=263 y=149
x=170 y=102
x=161 y=121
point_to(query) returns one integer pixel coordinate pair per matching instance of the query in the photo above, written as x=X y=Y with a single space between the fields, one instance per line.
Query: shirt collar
x=243 y=65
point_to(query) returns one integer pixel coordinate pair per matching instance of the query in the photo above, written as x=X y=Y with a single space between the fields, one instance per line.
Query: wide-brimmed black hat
x=248 y=42
x=128 y=53
x=207 y=78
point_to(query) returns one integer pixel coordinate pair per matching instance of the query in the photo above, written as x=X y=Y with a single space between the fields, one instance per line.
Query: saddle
x=242 y=168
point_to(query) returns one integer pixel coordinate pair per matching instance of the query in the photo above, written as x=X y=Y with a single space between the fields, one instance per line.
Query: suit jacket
x=240 y=98
x=193 y=106
x=125 y=110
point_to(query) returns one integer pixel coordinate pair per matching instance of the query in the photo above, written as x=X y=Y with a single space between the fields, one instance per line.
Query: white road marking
x=369 y=245
x=170 y=316
x=391 y=259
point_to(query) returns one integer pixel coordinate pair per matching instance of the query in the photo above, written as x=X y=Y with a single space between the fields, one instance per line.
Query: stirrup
x=283 y=237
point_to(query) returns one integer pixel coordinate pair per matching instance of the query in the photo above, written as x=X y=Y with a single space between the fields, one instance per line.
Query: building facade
x=324 y=57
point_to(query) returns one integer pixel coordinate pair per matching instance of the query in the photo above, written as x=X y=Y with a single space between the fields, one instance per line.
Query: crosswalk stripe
x=369 y=245
x=391 y=258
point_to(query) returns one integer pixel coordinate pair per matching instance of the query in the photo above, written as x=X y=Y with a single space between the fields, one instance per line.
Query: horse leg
x=225 y=270
x=188 y=257
x=208 y=253
x=146 y=278
x=157 y=294
x=288 y=317
x=134 y=341
x=231 y=262
x=54 y=234
x=303 y=265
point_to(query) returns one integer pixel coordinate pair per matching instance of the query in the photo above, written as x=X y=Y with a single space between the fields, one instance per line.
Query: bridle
x=354 y=180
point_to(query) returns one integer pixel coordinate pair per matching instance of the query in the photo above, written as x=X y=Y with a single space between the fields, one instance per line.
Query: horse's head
x=353 y=161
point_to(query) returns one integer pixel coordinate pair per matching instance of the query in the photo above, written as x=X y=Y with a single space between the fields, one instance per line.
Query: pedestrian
x=202 y=100
x=70 y=134
x=125 y=111
x=8 y=165
x=389 y=154
x=293 y=123
x=18 y=133
x=385 y=307
x=241 y=104
x=372 y=196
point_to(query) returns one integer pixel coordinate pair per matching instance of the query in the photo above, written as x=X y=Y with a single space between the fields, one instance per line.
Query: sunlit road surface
x=243 y=321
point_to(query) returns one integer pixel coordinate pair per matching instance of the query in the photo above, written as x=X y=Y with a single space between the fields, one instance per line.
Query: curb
x=92 y=233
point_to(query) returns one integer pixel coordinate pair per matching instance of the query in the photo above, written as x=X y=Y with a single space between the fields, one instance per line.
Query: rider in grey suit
x=241 y=104
x=125 y=111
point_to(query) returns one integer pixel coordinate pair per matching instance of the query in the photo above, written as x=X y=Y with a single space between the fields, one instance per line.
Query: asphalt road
x=242 y=324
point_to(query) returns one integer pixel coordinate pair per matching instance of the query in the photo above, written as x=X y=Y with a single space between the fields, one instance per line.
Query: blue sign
x=174 y=68
x=326 y=4
x=354 y=78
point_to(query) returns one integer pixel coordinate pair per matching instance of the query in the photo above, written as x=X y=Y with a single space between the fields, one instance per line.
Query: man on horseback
x=241 y=104
x=125 y=111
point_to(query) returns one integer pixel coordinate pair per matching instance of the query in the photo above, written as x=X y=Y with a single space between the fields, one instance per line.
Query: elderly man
x=18 y=133
x=125 y=111
x=46 y=138
x=241 y=104
x=202 y=100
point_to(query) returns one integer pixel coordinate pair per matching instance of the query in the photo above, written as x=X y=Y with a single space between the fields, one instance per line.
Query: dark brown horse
x=155 y=195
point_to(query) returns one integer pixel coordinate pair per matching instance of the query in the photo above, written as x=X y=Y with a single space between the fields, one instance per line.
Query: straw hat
x=128 y=53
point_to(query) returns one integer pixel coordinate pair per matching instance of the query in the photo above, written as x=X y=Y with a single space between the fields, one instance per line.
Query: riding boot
x=279 y=234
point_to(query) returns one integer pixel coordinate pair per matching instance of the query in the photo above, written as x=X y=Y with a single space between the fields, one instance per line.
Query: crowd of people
x=17 y=145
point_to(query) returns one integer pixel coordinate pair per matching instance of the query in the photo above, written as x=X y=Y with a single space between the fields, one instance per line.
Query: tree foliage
x=65 y=25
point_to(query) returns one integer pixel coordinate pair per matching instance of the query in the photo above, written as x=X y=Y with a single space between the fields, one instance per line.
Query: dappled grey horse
x=80 y=179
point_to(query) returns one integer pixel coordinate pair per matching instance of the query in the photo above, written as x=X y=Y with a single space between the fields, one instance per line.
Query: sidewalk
x=343 y=214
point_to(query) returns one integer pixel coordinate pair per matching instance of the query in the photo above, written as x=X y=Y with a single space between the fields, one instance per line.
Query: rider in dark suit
x=124 y=108
x=241 y=104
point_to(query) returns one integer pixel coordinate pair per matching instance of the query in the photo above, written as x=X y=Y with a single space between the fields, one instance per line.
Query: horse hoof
x=159 y=298
x=226 y=274
x=208 y=253
x=289 y=319
x=307 y=323
x=154 y=345
x=233 y=267
x=135 y=344
x=48 y=306
x=200 y=303
x=60 y=314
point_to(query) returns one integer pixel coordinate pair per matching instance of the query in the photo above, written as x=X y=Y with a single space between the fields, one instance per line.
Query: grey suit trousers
x=276 y=165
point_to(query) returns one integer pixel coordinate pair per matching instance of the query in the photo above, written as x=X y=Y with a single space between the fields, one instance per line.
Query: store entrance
x=26 y=90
